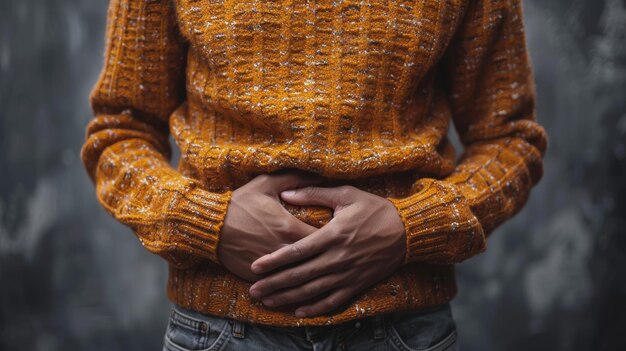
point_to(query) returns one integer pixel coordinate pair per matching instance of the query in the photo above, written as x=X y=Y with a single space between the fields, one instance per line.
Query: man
x=318 y=201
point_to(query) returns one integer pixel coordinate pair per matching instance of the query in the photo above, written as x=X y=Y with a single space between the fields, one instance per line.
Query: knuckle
x=332 y=302
x=338 y=233
x=311 y=191
x=321 y=286
x=345 y=256
x=345 y=190
x=296 y=275
x=295 y=251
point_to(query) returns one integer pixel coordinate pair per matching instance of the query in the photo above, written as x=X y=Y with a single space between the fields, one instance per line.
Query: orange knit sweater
x=360 y=92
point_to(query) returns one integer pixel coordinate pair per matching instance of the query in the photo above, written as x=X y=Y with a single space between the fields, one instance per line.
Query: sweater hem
x=211 y=289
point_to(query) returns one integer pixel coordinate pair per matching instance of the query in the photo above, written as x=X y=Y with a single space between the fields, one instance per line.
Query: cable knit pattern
x=360 y=92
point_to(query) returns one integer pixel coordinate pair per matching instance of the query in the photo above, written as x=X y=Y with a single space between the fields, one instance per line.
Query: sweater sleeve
x=127 y=151
x=487 y=77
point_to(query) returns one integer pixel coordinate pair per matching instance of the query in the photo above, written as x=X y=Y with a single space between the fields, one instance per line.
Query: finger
x=292 y=178
x=295 y=228
x=313 y=195
x=332 y=301
x=314 y=243
x=304 y=292
x=290 y=227
x=293 y=276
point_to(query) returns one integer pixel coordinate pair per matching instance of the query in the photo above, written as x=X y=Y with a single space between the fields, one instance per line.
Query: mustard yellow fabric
x=361 y=92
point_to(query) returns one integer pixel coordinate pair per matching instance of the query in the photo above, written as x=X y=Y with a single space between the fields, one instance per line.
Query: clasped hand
x=290 y=261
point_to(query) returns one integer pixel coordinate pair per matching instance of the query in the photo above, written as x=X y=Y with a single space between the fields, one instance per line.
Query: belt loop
x=238 y=329
x=378 y=322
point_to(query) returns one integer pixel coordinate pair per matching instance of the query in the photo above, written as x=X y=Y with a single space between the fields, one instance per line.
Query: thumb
x=313 y=195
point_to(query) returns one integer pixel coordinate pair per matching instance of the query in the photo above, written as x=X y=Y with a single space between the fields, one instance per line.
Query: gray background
x=72 y=278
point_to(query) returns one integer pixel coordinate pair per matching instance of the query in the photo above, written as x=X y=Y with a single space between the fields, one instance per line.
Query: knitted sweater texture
x=361 y=92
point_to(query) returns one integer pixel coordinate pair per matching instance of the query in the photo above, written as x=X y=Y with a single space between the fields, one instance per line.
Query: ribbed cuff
x=197 y=218
x=440 y=227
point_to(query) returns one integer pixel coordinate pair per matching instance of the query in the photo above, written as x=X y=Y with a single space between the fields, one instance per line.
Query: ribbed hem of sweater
x=199 y=218
x=210 y=289
x=440 y=226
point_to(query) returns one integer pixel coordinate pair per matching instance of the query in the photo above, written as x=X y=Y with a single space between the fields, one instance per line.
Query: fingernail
x=300 y=313
x=288 y=192
x=255 y=293
x=268 y=302
x=256 y=269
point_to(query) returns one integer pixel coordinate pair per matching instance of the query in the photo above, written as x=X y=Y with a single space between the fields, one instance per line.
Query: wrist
x=399 y=233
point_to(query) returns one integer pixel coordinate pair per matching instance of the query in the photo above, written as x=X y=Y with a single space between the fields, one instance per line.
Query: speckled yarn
x=361 y=92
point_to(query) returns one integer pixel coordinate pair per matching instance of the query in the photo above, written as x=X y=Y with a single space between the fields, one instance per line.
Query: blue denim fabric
x=429 y=329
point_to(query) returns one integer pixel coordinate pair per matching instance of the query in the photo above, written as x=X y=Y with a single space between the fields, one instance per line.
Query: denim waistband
x=377 y=322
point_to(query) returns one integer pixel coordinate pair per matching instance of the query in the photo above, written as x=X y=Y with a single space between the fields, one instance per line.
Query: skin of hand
x=256 y=223
x=362 y=244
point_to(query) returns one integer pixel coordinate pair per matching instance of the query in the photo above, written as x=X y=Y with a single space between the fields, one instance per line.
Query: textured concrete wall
x=71 y=278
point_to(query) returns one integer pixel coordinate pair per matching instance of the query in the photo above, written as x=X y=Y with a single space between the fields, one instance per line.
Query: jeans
x=429 y=329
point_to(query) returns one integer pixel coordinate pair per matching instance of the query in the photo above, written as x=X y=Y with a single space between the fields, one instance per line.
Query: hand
x=256 y=223
x=363 y=244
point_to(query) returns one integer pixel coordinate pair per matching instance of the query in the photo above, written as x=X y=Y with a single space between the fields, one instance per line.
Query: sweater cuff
x=197 y=218
x=440 y=226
